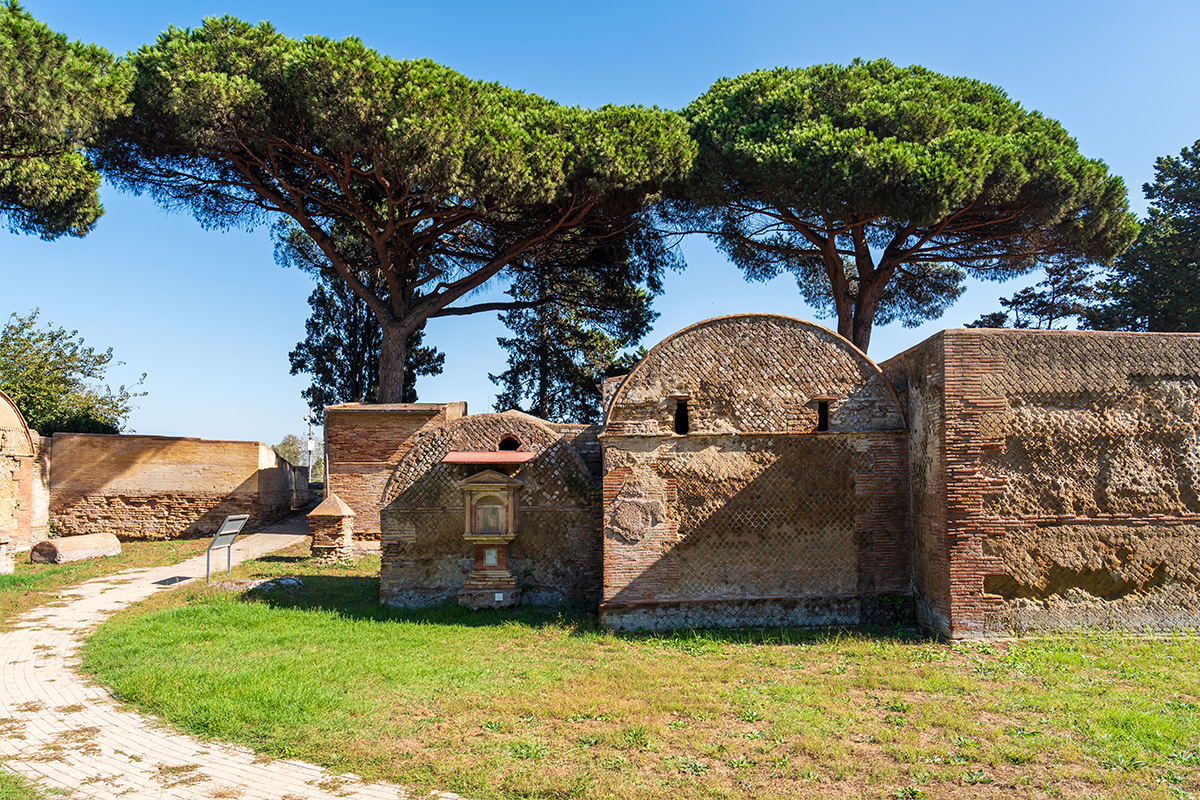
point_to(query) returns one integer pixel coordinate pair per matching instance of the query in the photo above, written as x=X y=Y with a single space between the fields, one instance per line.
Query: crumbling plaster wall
x=556 y=553
x=159 y=487
x=753 y=517
x=1071 y=481
x=363 y=445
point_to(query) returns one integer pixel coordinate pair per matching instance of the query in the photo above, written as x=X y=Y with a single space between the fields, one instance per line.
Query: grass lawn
x=14 y=787
x=521 y=704
x=36 y=584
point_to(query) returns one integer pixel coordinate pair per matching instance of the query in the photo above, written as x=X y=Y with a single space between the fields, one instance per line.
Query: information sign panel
x=223 y=540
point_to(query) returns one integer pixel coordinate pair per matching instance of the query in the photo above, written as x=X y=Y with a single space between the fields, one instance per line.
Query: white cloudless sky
x=210 y=318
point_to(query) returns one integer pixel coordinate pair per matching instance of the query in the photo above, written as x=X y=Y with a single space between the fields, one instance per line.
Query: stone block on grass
x=6 y=560
x=75 y=548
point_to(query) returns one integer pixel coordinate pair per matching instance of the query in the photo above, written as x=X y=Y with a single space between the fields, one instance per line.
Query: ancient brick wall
x=39 y=513
x=920 y=375
x=363 y=445
x=556 y=553
x=783 y=370
x=18 y=473
x=1072 y=469
x=158 y=487
x=753 y=516
x=585 y=441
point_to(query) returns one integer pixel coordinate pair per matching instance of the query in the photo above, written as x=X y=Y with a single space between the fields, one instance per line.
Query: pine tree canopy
x=54 y=95
x=882 y=187
x=447 y=179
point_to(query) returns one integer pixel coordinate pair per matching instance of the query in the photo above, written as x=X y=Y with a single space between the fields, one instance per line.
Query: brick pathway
x=61 y=731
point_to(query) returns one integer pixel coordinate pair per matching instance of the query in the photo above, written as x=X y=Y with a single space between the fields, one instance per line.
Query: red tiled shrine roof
x=487 y=457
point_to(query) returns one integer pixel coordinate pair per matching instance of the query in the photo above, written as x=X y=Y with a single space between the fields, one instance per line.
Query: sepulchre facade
x=760 y=470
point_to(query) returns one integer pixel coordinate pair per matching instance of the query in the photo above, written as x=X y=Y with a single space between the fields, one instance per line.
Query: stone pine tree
x=340 y=351
x=578 y=319
x=54 y=95
x=1155 y=284
x=448 y=179
x=882 y=187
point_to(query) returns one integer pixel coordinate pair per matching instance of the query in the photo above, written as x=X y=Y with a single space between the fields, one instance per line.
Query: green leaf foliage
x=446 y=179
x=575 y=321
x=57 y=381
x=1155 y=285
x=54 y=96
x=882 y=187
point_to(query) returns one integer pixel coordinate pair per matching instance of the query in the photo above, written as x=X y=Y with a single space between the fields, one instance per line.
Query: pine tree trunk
x=392 y=353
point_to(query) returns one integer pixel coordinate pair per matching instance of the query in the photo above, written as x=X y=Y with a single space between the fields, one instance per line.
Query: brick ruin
x=759 y=470
x=430 y=547
x=1055 y=480
x=24 y=481
x=764 y=484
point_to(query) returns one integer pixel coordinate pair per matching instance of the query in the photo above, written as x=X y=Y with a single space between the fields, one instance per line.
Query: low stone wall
x=157 y=487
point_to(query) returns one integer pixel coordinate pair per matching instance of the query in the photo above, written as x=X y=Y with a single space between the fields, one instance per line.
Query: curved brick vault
x=754 y=373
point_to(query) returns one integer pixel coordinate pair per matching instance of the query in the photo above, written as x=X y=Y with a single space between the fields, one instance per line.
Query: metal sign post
x=223 y=539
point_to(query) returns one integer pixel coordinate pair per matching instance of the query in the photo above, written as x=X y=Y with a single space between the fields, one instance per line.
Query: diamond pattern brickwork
x=753 y=373
x=556 y=553
x=1069 y=480
x=713 y=519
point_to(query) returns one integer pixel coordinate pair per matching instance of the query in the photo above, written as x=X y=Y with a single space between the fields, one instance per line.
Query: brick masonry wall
x=157 y=487
x=753 y=516
x=39 y=522
x=1072 y=469
x=555 y=556
x=18 y=467
x=754 y=373
x=919 y=374
x=363 y=445
x=738 y=529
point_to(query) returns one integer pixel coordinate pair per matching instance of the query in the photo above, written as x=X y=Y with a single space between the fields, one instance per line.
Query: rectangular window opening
x=681 y=416
x=822 y=415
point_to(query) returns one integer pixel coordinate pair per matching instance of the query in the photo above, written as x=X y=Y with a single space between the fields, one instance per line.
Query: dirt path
x=61 y=731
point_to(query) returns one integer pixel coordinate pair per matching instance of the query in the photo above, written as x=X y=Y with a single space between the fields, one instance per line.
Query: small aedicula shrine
x=759 y=470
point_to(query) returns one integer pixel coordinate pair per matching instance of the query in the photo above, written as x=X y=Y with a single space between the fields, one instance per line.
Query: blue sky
x=210 y=317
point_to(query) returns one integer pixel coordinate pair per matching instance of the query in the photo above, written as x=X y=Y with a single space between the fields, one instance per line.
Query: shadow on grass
x=357 y=597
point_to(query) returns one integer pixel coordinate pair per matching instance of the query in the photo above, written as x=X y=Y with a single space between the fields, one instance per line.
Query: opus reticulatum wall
x=760 y=470
x=1055 y=480
x=554 y=554
x=777 y=498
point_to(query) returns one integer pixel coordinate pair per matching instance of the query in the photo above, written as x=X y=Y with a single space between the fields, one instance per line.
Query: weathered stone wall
x=18 y=471
x=920 y=375
x=754 y=373
x=694 y=523
x=556 y=553
x=585 y=441
x=1071 y=463
x=158 y=487
x=363 y=445
x=753 y=517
